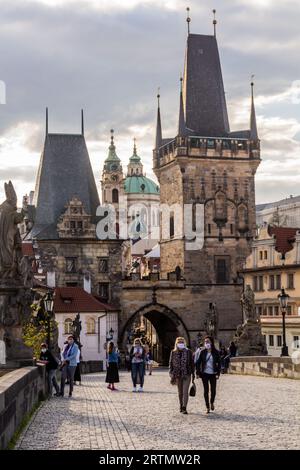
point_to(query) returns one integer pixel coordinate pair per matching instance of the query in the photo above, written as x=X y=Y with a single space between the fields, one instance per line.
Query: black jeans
x=209 y=379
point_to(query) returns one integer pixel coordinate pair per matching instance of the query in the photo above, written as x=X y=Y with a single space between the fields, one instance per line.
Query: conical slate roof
x=204 y=101
x=65 y=171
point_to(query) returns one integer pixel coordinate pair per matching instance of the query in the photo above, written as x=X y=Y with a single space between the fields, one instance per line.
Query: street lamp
x=48 y=307
x=283 y=302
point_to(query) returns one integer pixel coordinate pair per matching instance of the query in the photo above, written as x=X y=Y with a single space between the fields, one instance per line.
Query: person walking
x=149 y=361
x=112 y=373
x=232 y=349
x=77 y=375
x=208 y=368
x=137 y=357
x=69 y=365
x=46 y=357
x=181 y=369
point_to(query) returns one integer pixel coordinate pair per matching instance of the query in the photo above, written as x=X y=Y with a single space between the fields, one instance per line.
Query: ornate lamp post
x=48 y=308
x=283 y=302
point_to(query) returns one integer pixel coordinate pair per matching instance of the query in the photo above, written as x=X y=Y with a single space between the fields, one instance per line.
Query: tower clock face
x=114 y=167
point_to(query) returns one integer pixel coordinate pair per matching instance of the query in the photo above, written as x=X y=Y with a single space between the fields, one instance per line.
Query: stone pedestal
x=15 y=302
x=249 y=339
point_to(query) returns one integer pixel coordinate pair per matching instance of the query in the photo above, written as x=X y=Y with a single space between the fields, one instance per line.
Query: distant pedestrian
x=181 y=369
x=149 y=361
x=208 y=368
x=77 y=375
x=137 y=357
x=112 y=373
x=69 y=365
x=51 y=367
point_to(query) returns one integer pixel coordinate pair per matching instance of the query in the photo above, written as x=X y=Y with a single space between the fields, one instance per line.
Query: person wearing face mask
x=46 y=357
x=137 y=357
x=208 y=367
x=181 y=369
x=69 y=365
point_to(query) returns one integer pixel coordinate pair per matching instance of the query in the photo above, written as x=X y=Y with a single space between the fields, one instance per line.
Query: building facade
x=275 y=263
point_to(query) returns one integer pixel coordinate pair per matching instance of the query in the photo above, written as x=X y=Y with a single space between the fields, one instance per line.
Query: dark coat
x=48 y=356
x=201 y=362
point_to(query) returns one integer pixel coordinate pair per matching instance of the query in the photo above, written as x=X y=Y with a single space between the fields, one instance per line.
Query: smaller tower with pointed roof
x=112 y=175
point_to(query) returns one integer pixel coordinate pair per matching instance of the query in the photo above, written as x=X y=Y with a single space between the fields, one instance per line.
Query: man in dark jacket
x=208 y=367
x=46 y=357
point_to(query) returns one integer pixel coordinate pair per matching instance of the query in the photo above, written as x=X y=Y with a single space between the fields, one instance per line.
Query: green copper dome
x=140 y=185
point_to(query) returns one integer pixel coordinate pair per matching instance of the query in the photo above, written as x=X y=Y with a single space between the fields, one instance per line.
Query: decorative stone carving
x=248 y=337
x=211 y=321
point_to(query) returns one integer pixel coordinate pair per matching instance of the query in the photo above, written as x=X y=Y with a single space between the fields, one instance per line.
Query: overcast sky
x=109 y=57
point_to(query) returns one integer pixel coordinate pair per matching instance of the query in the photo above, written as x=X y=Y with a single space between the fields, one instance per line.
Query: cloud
x=110 y=57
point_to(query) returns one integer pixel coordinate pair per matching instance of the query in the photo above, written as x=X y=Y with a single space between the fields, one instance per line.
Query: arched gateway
x=166 y=324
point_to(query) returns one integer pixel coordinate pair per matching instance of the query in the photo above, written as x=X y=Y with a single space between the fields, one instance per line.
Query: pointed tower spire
x=253 y=125
x=46 y=121
x=181 y=121
x=82 y=123
x=158 y=140
x=215 y=22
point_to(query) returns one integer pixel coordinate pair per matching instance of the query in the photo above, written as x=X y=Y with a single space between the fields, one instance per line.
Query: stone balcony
x=203 y=147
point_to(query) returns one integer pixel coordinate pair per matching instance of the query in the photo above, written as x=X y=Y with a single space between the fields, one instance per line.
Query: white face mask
x=180 y=345
x=44 y=350
x=207 y=345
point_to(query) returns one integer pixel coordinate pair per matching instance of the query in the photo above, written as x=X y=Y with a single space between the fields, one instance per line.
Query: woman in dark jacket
x=181 y=369
x=208 y=367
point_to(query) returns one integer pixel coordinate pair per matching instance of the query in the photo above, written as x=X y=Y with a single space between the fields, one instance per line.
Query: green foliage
x=35 y=330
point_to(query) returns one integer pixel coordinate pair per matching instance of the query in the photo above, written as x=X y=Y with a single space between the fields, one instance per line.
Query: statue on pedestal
x=211 y=321
x=248 y=337
x=15 y=281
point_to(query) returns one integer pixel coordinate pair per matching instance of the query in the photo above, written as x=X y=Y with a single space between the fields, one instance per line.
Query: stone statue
x=10 y=239
x=248 y=305
x=211 y=321
x=248 y=337
x=77 y=326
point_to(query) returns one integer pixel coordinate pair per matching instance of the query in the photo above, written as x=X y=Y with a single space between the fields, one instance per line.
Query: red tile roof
x=77 y=300
x=284 y=236
x=27 y=249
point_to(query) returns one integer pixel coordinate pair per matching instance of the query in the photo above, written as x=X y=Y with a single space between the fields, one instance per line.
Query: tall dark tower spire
x=82 y=123
x=46 y=121
x=253 y=125
x=181 y=121
x=158 y=140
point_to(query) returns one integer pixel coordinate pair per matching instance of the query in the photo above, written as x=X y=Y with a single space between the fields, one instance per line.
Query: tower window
x=222 y=269
x=104 y=291
x=172 y=224
x=115 y=195
x=103 y=265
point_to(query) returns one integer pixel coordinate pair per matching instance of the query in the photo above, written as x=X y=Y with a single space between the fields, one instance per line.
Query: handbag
x=193 y=390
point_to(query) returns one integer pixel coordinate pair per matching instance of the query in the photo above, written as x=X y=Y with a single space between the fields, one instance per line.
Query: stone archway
x=168 y=326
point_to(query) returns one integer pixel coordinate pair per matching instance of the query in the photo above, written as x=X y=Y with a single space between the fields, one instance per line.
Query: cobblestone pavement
x=251 y=413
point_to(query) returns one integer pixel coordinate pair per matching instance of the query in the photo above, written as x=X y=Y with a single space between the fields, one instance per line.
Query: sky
x=110 y=56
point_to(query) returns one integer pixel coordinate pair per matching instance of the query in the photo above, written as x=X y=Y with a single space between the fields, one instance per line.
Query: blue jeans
x=137 y=370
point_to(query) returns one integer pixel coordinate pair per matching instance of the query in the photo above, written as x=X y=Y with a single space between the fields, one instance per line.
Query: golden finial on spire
x=215 y=22
x=112 y=136
x=134 y=145
x=188 y=19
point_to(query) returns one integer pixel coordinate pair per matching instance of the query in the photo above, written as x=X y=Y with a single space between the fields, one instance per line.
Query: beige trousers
x=183 y=384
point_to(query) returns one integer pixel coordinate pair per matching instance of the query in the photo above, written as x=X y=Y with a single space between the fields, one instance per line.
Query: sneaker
x=134 y=389
x=207 y=410
x=57 y=394
x=141 y=389
x=108 y=386
x=212 y=407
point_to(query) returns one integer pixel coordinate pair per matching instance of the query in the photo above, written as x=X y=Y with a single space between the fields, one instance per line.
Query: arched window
x=91 y=326
x=68 y=326
x=115 y=195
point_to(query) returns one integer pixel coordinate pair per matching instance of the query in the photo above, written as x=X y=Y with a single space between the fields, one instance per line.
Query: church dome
x=138 y=184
